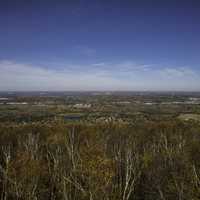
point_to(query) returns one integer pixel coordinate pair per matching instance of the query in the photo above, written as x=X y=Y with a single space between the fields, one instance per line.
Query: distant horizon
x=100 y=91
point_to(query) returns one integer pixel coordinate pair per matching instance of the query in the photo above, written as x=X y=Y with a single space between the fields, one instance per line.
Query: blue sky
x=99 y=45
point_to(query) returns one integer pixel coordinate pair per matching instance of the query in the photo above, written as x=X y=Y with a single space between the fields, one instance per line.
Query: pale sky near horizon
x=99 y=45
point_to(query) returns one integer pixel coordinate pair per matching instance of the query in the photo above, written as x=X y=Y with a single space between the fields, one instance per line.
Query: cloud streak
x=85 y=50
x=99 y=76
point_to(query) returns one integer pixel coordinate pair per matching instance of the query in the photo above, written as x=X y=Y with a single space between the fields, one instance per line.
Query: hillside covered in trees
x=85 y=146
x=81 y=161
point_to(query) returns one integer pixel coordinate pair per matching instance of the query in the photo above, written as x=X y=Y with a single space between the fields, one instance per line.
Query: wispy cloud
x=101 y=64
x=85 y=50
x=178 y=72
x=99 y=76
x=14 y=76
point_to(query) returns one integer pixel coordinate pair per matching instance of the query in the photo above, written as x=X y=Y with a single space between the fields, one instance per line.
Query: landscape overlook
x=99 y=100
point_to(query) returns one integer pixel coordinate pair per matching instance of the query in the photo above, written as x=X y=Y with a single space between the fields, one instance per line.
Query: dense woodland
x=149 y=160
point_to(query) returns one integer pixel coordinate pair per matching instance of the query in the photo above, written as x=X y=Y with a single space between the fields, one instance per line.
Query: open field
x=195 y=117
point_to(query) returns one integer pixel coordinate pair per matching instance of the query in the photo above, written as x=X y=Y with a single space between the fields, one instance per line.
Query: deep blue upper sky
x=55 y=34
